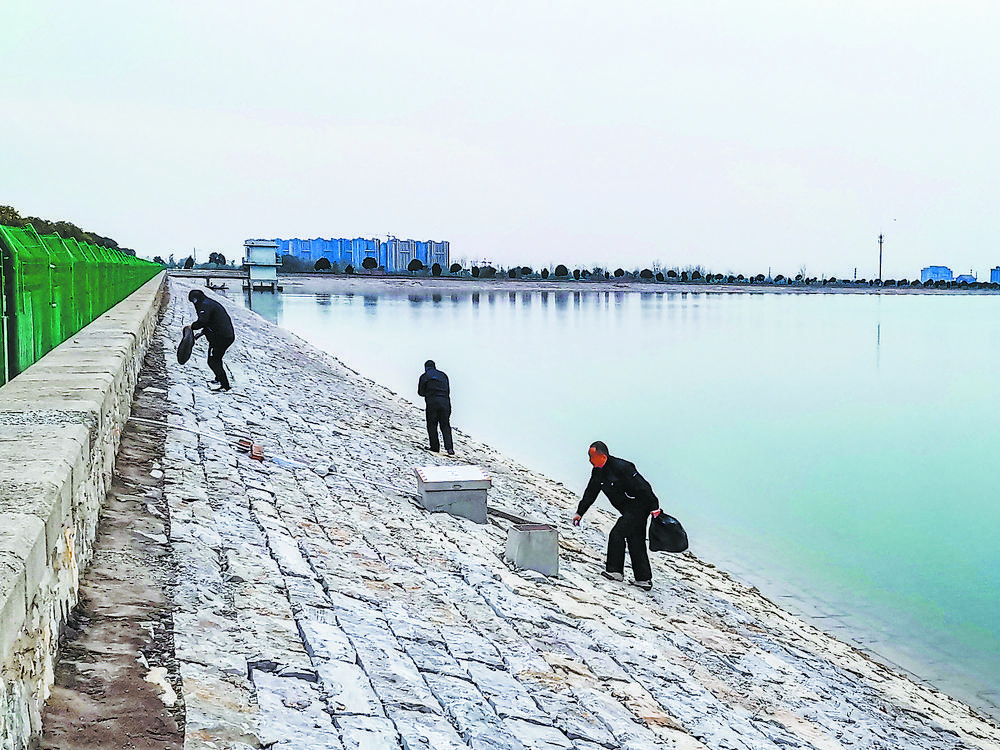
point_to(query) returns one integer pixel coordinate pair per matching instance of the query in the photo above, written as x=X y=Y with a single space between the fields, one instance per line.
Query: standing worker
x=433 y=386
x=631 y=496
x=217 y=327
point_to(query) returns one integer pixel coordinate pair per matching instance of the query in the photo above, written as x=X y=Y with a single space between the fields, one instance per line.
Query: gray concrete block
x=508 y=697
x=396 y=679
x=458 y=490
x=576 y=722
x=50 y=503
x=539 y=737
x=534 y=546
x=348 y=690
x=367 y=733
x=325 y=642
x=13 y=608
x=469 y=504
x=422 y=731
x=22 y=567
x=292 y=714
x=433 y=657
x=472 y=714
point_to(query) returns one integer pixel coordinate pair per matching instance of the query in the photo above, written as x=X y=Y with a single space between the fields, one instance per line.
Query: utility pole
x=880 y=259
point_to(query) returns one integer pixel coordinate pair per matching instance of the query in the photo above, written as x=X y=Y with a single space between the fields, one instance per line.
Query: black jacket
x=433 y=384
x=624 y=486
x=214 y=319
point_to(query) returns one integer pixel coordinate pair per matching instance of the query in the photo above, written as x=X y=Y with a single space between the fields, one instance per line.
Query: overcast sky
x=735 y=135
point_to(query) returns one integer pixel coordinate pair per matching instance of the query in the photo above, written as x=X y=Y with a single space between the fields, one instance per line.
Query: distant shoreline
x=319 y=283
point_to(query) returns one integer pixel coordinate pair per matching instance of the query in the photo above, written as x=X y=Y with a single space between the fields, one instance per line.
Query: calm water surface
x=837 y=451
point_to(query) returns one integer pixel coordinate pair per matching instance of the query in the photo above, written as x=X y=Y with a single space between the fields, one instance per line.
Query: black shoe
x=451 y=453
x=644 y=585
x=612 y=576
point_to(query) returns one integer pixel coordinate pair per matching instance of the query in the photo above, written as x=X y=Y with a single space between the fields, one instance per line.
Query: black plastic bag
x=667 y=535
x=187 y=344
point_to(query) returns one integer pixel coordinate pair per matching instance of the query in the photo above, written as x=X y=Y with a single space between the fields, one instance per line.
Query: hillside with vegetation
x=11 y=217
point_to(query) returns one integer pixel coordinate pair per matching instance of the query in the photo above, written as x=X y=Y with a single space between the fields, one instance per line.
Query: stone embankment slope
x=330 y=611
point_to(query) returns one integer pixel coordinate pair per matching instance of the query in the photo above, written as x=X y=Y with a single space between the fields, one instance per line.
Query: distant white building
x=936 y=273
x=262 y=261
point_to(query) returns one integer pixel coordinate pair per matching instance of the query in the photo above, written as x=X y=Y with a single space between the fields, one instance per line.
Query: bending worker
x=217 y=327
x=631 y=496
x=433 y=386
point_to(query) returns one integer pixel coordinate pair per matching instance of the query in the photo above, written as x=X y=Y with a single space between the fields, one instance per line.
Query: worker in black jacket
x=631 y=496
x=433 y=386
x=216 y=326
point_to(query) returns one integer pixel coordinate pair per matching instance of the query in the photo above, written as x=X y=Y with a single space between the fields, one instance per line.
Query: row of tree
x=646 y=274
x=11 y=217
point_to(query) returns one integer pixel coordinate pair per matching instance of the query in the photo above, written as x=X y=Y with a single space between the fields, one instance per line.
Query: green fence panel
x=52 y=288
x=32 y=297
x=82 y=282
x=5 y=254
x=63 y=322
x=105 y=264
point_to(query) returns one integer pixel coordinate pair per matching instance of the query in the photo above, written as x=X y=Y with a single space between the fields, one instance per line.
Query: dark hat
x=429 y=364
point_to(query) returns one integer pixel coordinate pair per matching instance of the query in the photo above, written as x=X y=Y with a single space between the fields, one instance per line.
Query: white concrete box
x=534 y=546
x=458 y=490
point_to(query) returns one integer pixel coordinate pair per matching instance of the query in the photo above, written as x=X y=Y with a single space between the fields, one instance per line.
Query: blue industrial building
x=936 y=273
x=995 y=275
x=392 y=254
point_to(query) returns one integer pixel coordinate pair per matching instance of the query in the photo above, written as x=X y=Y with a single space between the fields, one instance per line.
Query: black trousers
x=216 y=350
x=438 y=415
x=629 y=530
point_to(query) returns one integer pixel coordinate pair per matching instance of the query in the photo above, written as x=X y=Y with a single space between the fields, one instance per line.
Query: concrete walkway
x=317 y=606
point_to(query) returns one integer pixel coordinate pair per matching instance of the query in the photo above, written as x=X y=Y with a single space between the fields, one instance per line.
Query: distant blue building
x=393 y=255
x=966 y=277
x=995 y=275
x=936 y=273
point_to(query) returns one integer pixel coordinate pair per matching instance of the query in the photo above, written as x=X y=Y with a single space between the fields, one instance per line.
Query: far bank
x=320 y=283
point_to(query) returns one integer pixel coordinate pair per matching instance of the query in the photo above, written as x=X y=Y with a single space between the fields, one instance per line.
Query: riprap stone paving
x=317 y=606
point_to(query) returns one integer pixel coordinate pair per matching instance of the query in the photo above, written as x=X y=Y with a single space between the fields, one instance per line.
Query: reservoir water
x=839 y=452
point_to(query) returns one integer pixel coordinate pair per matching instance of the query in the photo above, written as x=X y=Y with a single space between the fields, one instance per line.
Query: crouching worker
x=631 y=496
x=216 y=326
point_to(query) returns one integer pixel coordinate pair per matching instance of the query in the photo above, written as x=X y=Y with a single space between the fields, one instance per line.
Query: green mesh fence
x=53 y=287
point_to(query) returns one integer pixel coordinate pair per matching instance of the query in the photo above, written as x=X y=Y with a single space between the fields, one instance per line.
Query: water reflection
x=265 y=304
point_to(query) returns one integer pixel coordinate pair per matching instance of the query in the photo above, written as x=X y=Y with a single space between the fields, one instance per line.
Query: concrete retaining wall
x=60 y=422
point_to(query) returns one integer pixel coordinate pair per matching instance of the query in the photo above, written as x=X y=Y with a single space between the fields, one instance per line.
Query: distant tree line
x=690 y=275
x=9 y=216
